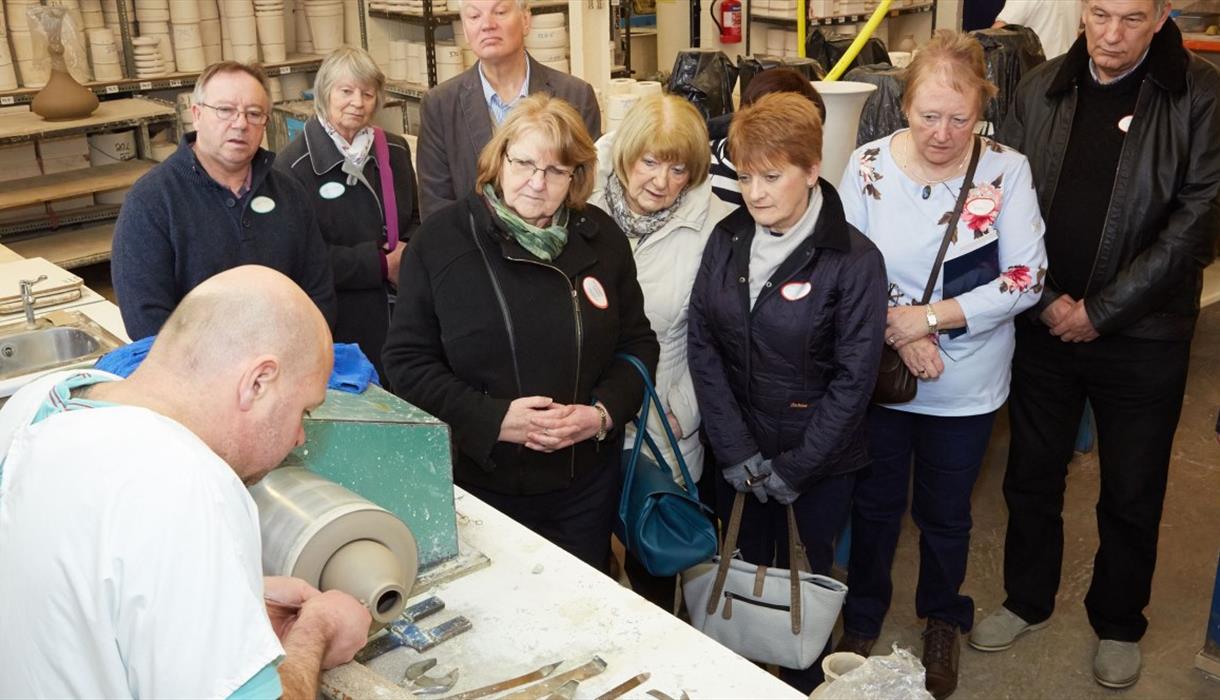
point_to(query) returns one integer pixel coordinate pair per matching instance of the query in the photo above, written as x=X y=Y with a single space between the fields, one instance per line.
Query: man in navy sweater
x=215 y=204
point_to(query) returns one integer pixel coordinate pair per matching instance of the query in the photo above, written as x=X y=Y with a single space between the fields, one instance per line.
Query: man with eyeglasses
x=458 y=116
x=1123 y=138
x=215 y=204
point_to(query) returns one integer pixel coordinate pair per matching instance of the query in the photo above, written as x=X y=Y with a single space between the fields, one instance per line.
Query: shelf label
x=7 y=100
x=285 y=70
x=175 y=83
x=145 y=84
x=112 y=89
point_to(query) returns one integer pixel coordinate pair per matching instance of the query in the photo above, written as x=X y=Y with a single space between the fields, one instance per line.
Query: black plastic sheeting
x=706 y=79
x=882 y=113
x=1010 y=52
x=750 y=66
x=827 y=50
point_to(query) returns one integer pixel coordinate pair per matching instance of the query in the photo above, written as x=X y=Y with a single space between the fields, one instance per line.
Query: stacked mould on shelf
x=8 y=72
x=547 y=41
x=104 y=53
x=187 y=35
x=782 y=42
x=109 y=148
x=240 y=42
x=407 y=7
x=269 y=17
x=110 y=16
x=91 y=14
x=325 y=24
x=300 y=18
x=210 y=33
x=621 y=96
x=785 y=9
x=448 y=60
x=148 y=59
x=153 y=19
x=32 y=70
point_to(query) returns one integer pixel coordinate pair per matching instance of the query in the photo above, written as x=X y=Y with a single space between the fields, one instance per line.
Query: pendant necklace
x=928 y=184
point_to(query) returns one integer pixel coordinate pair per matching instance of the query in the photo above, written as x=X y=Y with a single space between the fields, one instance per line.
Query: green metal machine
x=393 y=454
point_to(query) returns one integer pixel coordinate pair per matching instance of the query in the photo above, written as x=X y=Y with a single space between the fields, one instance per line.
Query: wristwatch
x=931 y=315
x=605 y=418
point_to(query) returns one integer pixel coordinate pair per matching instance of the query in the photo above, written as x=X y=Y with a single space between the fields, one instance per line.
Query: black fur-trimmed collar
x=1167 y=62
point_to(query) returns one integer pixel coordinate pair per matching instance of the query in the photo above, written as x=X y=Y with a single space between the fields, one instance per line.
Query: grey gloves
x=755 y=476
x=750 y=476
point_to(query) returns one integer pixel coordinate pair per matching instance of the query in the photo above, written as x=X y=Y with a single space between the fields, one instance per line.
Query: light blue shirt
x=994 y=268
x=498 y=107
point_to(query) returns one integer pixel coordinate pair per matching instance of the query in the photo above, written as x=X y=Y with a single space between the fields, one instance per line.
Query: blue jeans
x=948 y=452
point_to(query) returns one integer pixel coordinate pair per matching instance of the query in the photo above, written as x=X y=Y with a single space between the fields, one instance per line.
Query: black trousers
x=578 y=519
x=1135 y=387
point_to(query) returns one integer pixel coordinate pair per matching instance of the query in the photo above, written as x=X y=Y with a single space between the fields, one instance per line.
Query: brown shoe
x=941 y=645
x=856 y=645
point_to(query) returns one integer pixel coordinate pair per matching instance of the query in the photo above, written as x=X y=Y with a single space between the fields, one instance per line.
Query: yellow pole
x=802 y=19
x=841 y=67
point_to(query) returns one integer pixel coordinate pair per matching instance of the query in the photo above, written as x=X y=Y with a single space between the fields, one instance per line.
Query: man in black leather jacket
x=1123 y=137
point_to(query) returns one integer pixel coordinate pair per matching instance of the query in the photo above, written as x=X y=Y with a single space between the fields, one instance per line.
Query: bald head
x=240 y=314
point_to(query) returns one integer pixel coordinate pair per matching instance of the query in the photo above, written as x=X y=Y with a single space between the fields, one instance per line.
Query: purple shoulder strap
x=382 y=148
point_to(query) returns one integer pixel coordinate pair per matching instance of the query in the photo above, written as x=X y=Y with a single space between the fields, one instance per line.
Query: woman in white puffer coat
x=653 y=180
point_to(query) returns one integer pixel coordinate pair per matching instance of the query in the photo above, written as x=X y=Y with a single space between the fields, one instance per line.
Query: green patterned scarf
x=546 y=243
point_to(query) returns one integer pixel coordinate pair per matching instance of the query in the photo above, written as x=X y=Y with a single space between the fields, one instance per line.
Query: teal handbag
x=664 y=526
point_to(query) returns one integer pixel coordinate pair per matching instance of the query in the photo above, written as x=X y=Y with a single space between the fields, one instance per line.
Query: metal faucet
x=27 y=299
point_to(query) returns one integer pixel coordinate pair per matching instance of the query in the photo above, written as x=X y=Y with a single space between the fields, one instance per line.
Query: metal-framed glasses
x=225 y=113
x=551 y=174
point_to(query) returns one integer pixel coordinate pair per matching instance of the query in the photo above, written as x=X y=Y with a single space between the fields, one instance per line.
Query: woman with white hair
x=362 y=186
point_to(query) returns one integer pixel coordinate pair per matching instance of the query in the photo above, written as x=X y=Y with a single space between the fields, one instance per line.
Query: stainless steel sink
x=62 y=339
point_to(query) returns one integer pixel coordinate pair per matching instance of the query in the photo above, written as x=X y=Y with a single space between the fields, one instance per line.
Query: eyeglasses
x=551 y=174
x=254 y=117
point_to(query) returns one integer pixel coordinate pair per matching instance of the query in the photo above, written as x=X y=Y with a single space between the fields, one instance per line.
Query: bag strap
x=967 y=184
x=388 y=199
x=641 y=433
x=796 y=555
x=726 y=553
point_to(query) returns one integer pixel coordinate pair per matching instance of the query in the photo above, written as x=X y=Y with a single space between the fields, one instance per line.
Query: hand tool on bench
x=422 y=683
x=567 y=691
x=405 y=632
x=623 y=688
x=541 y=690
x=509 y=684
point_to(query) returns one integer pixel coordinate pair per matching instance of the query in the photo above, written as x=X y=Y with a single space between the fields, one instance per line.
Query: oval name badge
x=262 y=204
x=1124 y=124
x=980 y=206
x=595 y=292
x=795 y=290
x=331 y=190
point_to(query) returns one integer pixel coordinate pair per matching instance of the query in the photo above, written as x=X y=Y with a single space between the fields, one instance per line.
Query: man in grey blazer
x=458 y=116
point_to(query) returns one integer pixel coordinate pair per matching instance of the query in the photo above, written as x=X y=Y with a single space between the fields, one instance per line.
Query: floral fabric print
x=868 y=172
x=1017 y=280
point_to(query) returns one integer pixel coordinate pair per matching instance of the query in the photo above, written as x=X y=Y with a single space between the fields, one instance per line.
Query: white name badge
x=331 y=190
x=1124 y=124
x=595 y=292
x=262 y=204
x=795 y=290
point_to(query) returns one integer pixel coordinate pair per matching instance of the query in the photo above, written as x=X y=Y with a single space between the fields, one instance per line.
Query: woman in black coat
x=512 y=304
x=334 y=157
x=786 y=323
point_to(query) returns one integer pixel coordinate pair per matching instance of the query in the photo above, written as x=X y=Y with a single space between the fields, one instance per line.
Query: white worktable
x=536 y=604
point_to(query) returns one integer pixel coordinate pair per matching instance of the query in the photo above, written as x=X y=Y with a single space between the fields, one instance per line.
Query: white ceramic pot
x=844 y=102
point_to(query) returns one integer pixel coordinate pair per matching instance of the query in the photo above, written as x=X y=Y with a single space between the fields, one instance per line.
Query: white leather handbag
x=768 y=615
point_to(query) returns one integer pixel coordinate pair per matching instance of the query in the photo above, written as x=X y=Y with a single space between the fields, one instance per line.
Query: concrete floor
x=1057 y=662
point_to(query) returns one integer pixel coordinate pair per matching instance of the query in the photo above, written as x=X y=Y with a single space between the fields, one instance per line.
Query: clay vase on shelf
x=62 y=97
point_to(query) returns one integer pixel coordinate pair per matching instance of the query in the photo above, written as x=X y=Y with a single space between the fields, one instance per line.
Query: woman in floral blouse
x=901 y=192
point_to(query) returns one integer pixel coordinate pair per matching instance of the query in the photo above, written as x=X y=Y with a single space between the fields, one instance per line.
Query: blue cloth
x=264 y=685
x=179 y=227
x=352 y=372
x=123 y=361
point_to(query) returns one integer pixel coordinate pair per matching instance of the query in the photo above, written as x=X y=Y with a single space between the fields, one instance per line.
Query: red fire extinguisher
x=728 y=20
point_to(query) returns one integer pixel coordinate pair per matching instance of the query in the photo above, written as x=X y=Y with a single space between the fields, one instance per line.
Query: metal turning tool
x=626 y=686
x=404 y=632
x=417 y=676
x=567 y=691
x=509 y=684
x=541 y=690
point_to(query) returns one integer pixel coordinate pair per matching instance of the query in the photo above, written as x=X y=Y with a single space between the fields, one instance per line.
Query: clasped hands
x=906 y=330
x=1068 y=320
x=756 y=476
x=544 y=425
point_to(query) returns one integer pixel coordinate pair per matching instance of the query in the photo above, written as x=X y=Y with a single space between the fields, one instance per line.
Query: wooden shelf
x=69 y=249
x=74 y=183
x=22 y=126
x=842 y=19
x=297 y=64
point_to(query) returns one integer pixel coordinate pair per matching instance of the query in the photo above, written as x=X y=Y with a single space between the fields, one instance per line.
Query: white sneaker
x=1117 y=664
x=999 y=630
